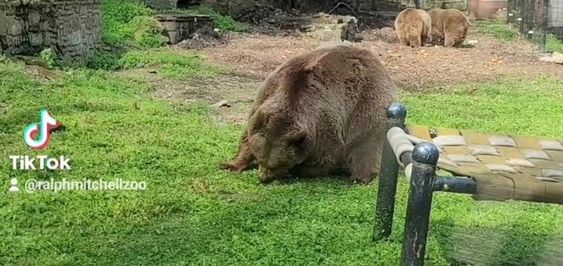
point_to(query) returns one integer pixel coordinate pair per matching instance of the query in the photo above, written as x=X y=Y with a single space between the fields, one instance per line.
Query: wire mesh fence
x=457 y=4
x=538 y=20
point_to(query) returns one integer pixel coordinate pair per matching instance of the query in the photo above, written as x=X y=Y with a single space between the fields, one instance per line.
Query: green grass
x=194 y=213
x=554 y=44
x=517 y=106
x=170 y=64
x=129 y=23
x=224 y=23
x=506 y=33
x=126 y=25
x=130 y=29
x=499 y=30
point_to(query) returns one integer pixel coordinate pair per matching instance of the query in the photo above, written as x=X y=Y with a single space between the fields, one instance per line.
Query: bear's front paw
x=362 y=180
x=232 y=167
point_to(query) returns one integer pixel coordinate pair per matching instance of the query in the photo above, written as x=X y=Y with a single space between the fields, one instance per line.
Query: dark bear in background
x=320 y=113
x=449 y=27
x=413 y=27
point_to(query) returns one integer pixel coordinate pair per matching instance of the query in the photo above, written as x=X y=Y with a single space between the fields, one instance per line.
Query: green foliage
x=104 y=59
x=148 y=33
x=499 y=30
x=227 y=23
x=3 y=59
x=119 y=20
x=130 y=25
x=48 y=57
x=554 y=44
x=223 y=23
x=170 y=64
x=126 y=25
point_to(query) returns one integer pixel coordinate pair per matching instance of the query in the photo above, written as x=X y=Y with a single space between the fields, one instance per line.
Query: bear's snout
x=268 y=175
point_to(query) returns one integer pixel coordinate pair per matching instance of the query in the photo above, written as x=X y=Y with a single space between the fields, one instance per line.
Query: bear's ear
x=299 y=140
x=260 y=120
x=314 y=62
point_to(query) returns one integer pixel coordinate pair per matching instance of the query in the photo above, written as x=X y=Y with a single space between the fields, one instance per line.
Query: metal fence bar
x=537 y=20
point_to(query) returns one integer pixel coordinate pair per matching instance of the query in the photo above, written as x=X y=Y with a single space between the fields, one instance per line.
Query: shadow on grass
x=494 y=246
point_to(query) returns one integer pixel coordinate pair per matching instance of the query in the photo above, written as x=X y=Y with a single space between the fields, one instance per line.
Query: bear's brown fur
x=320 y=113
x=449 y=27
x=413 y=27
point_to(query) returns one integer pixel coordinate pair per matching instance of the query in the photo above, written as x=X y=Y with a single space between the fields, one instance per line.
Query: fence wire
x=538 y=20
x=457 y=4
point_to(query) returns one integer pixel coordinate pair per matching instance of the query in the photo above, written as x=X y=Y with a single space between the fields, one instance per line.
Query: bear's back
x=447 y=17
x=330 y=88
x=339 y=70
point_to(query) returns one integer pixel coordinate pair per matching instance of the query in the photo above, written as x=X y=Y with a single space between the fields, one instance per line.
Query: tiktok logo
x=38 y=135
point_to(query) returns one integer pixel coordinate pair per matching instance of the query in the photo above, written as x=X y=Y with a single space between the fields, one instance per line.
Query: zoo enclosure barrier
x=444 y=4
x=496 y=167
x=537 y=20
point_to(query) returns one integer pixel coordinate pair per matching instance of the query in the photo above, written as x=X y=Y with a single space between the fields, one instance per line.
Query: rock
x=385 y=34
x=333 y=27
x=203 y=38
x=222 y=103
x=350 y=31
x=555 y=57
x=472 y=42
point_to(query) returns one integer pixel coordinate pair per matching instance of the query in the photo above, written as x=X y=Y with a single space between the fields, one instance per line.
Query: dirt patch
x=418 y=68
x=229 y=96
x=253 y=56
x=385 y=34
x=257 y=55
x=203 y=38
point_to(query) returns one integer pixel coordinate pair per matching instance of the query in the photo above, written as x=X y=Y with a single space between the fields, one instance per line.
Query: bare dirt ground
x=257 y=55
x=253 y=56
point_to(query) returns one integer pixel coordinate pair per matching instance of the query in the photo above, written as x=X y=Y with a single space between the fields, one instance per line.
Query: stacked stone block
x=71 y=28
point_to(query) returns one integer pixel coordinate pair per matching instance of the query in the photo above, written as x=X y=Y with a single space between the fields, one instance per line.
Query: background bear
x=413 y=27
x=449 y=27
x=320 y=113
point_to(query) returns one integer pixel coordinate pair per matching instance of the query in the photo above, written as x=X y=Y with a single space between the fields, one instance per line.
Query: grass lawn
x=506 y=33
x=193 y=213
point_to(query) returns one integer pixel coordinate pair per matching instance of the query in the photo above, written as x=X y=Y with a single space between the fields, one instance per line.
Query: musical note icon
x=38 y=135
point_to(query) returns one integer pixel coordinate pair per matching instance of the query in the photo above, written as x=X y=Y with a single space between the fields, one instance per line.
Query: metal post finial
x=397 y=111
x=426 y=153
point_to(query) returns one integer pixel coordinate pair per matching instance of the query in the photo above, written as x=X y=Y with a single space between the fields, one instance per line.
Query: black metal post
x=545 y=16
x=425 y=156
x=385 y=203
x=417 y=4
x=531 y=20
x=466 y=185
x=521 y=15
x=509 y=10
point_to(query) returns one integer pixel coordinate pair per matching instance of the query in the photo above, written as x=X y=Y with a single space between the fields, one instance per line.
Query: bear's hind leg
x=363 y=160
x=414 y=41
x=403 y=40
x=449 y=40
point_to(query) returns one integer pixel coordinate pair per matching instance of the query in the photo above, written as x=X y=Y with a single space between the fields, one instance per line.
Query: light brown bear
x=320 y=113
x=413 y=27
x=449 y=27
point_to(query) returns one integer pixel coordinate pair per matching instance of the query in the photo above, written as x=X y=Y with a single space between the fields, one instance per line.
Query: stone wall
x=71 y=28
x=181 y=27
x=307 y=6
x=168 y=4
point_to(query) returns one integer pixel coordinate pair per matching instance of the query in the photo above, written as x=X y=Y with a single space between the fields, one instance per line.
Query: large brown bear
x=320 y=113
x=449 y=27
x=413 y=27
